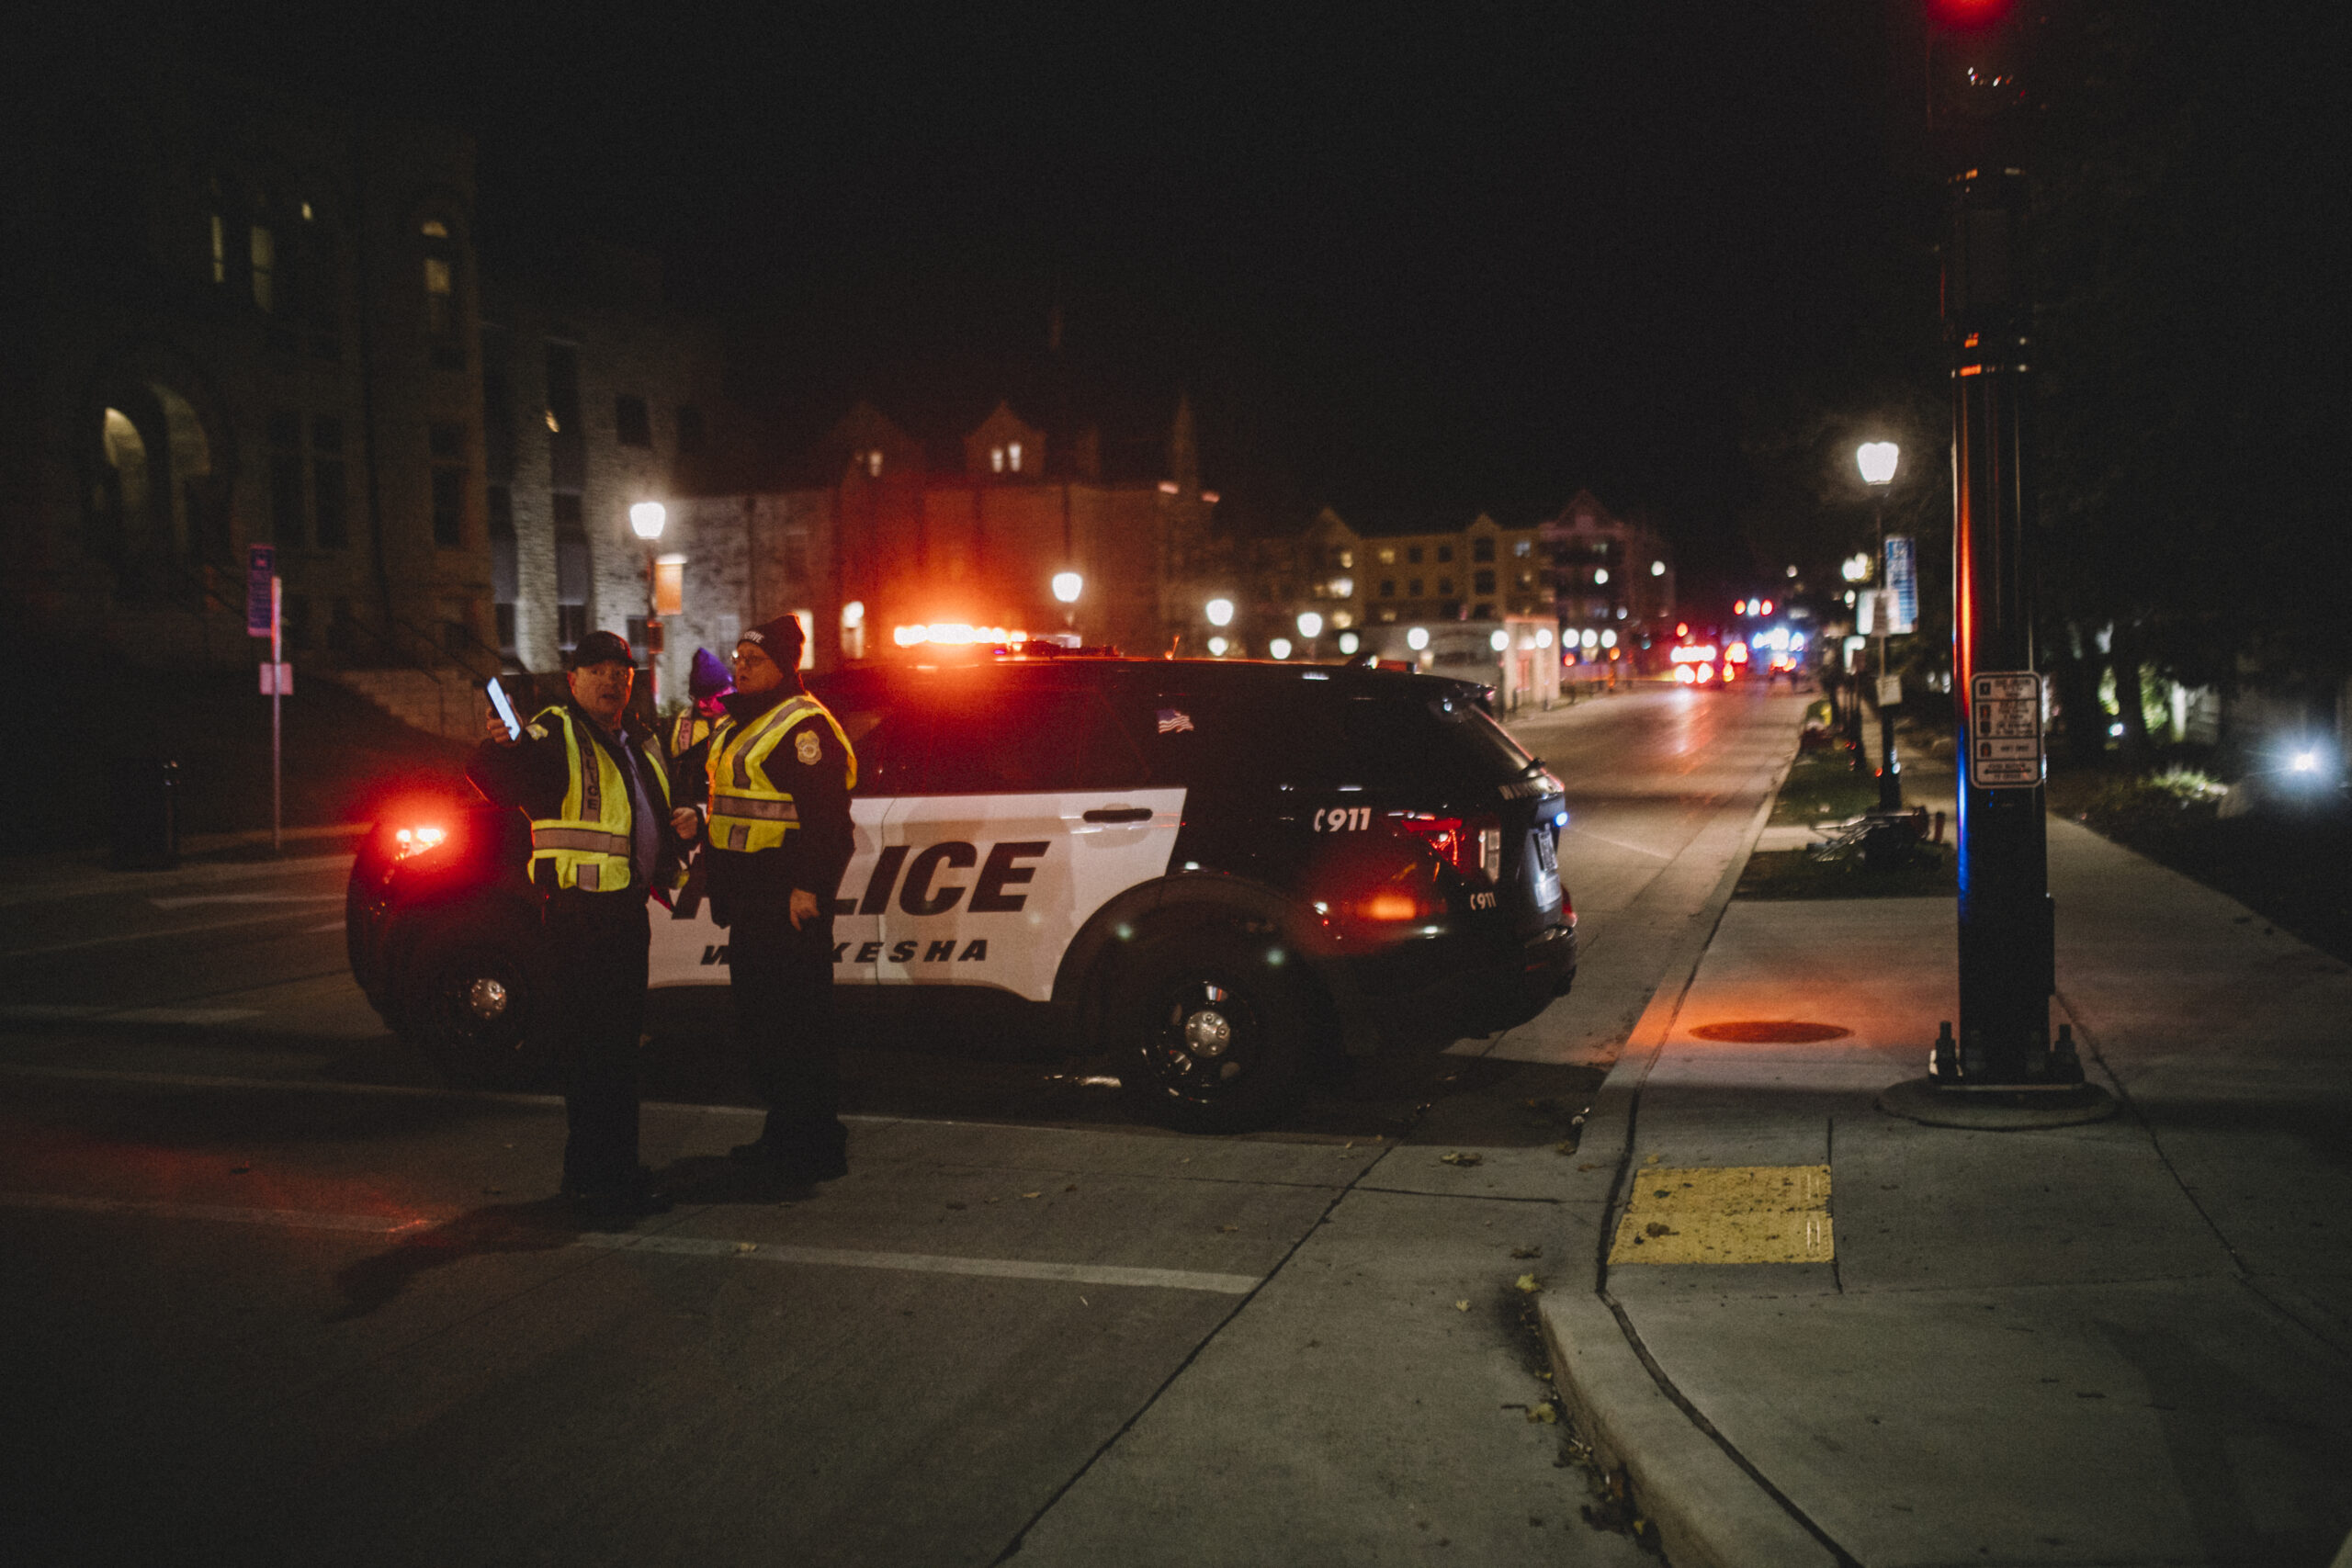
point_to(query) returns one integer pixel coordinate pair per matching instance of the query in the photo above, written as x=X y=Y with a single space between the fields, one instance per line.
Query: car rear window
x=1313 y=735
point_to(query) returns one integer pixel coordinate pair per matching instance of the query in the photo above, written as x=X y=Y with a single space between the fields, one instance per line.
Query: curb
x=1710 y=1510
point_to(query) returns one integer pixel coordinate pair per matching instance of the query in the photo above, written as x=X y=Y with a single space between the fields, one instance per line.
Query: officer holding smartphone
x=604 y=838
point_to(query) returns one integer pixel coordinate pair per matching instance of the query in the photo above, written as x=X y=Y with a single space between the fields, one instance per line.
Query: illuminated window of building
x=434 y=229
x=996 y=458
x=263 y=248
x=1346 y=560
x=309 y=215
x=440 y=296
x=220 y=249
x=1387 y=556
x=1522 y=547
x=874 y=464
x=1013 y=456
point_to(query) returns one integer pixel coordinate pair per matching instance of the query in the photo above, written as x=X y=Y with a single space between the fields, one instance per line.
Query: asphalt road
x=270 y=1290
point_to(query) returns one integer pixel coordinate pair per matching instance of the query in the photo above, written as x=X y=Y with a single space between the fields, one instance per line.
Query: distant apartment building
x=1611 y=582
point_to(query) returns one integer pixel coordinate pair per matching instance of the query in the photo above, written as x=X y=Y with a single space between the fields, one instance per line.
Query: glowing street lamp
x=1219 y=611
x=1067 y=586
x=1418 y=639
x=646 y=518
x=1876 y=459
x=1310 y=625
x=1278 y=648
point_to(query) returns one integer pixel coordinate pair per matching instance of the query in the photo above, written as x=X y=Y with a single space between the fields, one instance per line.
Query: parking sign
x=261 y=565
x=2005 y=731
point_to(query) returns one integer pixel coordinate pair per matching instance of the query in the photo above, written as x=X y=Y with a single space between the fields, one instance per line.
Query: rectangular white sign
x=2005 y=729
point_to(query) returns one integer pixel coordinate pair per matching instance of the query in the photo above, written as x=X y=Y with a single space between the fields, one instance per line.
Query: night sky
x=1412 y=263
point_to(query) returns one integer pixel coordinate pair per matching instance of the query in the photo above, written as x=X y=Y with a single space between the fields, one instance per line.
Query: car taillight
x=417 y=840
x=1473 y=848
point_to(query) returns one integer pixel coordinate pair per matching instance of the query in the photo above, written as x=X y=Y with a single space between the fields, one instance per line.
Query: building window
x=264 y=251
x=434 y=229
x=1483 y=613
x=689 y=428
x=286 y=519
x=1388 y=588
x=1482 y=549
x=1413 y=556
x=1346 y=560
x=874 y=464
x=331 y=501
x=1522 y=547
x=568 y=511
x=1446 y=552
x=632 y=426
x=440 y=297
x=449 y=507
x=220 y=249
x=996 y=459
x=1013 y=456
x=570 y=581
x=567 y=452
x=1387 y=556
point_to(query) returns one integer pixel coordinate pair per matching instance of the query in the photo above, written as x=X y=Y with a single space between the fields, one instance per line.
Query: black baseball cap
x=600 y=647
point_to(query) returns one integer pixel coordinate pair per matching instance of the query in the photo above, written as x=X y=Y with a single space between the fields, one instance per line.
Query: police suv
x=1222 y=874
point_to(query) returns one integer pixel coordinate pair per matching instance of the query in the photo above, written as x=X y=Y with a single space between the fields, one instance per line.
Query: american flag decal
x=1170 y=721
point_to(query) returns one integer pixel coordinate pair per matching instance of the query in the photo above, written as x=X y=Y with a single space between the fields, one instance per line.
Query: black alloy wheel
x=1214 y=1037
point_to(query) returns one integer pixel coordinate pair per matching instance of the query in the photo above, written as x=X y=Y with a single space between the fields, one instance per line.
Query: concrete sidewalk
x=2124 y=1342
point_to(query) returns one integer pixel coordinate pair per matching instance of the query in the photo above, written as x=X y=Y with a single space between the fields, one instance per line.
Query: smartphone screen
x=506 y=709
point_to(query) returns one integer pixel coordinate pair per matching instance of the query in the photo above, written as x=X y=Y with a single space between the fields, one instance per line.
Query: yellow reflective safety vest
x=689 y=730
x=748 y=813
x=587 y=841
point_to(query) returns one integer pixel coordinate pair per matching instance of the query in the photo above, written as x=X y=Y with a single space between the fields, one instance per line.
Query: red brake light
x=1473 y=848
x=417 y=840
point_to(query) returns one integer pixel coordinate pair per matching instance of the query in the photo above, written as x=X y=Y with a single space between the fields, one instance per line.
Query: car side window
x=889 y=744
x=1004 y=740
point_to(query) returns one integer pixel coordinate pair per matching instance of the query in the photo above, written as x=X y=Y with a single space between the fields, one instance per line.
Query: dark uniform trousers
x=598 y=969
x=783 y=985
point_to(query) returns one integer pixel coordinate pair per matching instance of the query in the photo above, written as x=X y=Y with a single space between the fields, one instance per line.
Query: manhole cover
x=1770 y=1031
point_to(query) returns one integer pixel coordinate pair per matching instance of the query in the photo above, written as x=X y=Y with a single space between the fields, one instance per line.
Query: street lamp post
x=646 y=520
x=1877 y=459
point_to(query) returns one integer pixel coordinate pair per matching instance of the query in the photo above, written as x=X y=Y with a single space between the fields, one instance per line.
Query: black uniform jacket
x=533 y=774
x=815 y=853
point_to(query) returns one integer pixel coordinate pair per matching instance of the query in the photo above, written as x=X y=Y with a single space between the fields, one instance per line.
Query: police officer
x=603 y=836
x=778 y=785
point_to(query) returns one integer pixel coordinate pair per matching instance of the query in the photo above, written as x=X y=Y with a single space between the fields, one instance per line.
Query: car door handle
x=1120 y=814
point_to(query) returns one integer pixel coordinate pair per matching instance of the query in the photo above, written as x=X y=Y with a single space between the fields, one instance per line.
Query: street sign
x=261 y=566
x=1889 y=691
x=1903 y=583
x=281 y=684
x=2005 y=731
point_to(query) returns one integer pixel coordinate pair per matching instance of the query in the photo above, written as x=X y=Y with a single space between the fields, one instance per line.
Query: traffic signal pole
x=2007 y=953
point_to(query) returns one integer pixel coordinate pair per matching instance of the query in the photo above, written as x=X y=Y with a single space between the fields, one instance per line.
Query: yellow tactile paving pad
x=1736 y=1213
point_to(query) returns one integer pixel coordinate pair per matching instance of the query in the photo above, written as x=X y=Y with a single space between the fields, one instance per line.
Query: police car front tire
x=1213 y=1037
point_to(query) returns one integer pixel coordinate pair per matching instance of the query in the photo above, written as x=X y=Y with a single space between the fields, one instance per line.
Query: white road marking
x=1618 y=843
x=927 y=1263
x=146 y=936
x=286 y=1219
x=672 y=1245
x=195 y=899
x=36 y=1012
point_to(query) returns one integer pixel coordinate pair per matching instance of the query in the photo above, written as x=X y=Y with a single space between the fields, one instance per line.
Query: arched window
x=440 y=278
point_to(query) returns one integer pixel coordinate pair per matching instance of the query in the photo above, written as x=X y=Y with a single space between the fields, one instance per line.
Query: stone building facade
x=240 y=321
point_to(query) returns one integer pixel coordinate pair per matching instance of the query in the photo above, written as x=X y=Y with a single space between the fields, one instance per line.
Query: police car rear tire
x=469 y=1000
x=1211 y=1036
